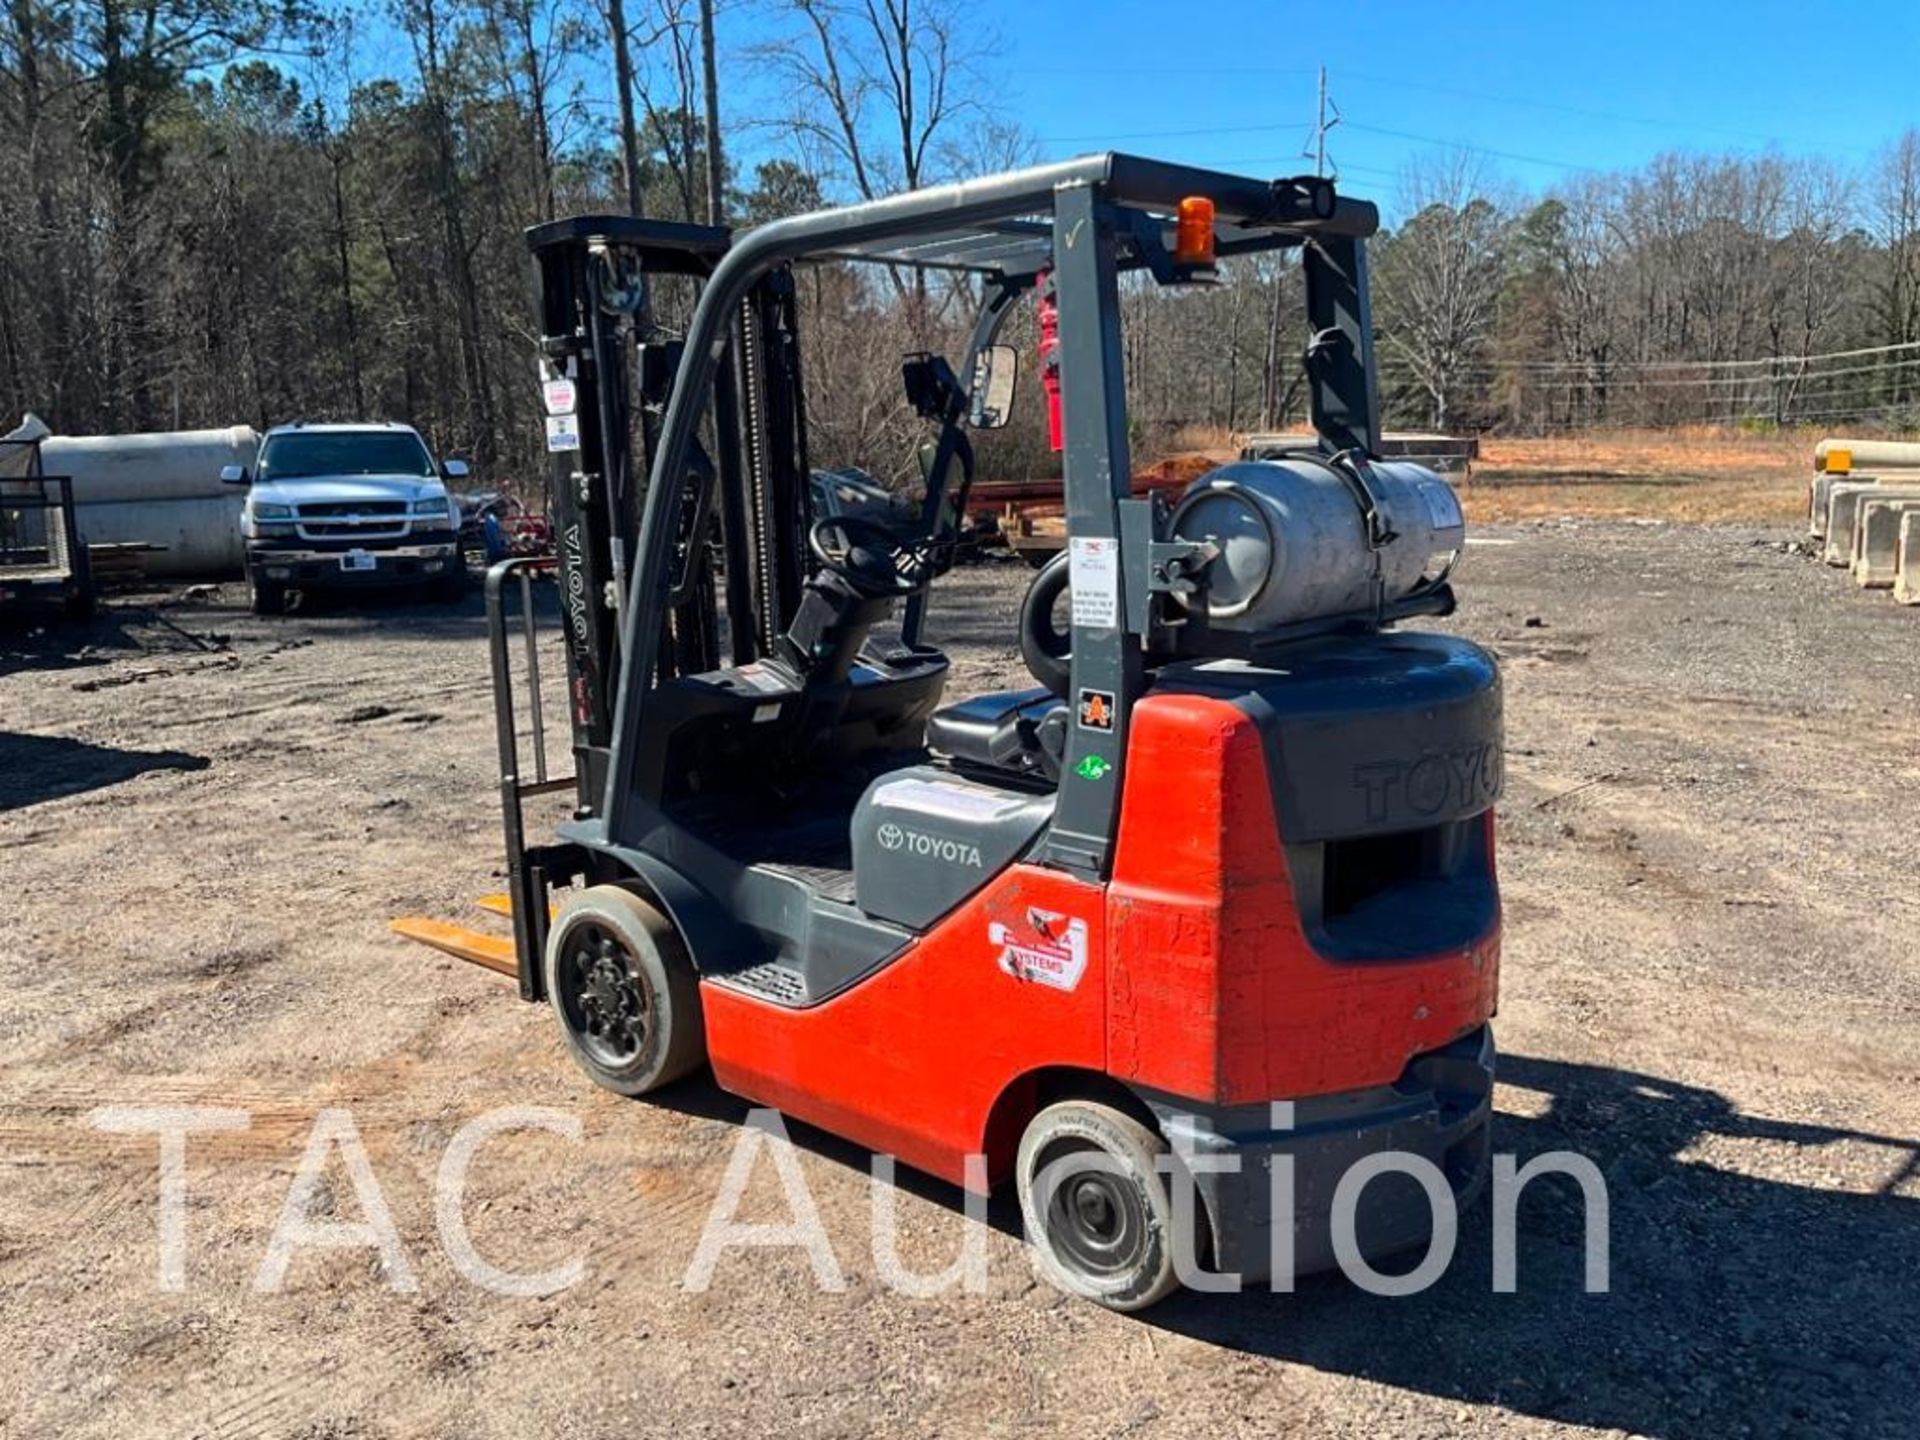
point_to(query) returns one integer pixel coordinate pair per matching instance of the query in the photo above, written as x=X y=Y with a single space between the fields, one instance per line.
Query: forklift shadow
x=1737 y=1305
x=34 y=768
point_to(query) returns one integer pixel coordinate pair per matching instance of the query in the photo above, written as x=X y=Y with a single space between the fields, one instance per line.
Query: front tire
x=266 y=597
x=625 y=992
x=1095 y=1205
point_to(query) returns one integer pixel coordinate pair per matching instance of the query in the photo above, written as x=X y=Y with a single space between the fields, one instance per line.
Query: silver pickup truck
x=345 y=505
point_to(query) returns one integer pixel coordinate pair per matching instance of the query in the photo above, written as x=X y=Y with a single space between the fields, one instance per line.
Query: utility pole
x=1322 y=124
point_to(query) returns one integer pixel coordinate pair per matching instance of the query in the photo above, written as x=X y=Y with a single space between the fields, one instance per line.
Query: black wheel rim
x=607 y=1007
x=1097 y=1224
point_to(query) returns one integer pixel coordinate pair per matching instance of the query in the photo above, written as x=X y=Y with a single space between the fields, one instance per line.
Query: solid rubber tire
x=1135 y=1148
x=677 y=1042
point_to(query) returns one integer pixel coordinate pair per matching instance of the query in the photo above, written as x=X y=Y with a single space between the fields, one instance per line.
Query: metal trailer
x=42 y=560
x=1208 y=867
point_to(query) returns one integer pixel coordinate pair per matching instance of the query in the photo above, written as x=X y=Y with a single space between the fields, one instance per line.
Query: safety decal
x=1054 y=952
x=563 y=433
x=1096 y=710
x=1093 y=767
x=1093 y=581
x=560 y=396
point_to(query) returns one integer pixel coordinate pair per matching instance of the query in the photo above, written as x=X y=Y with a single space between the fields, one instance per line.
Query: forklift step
x=495 y=952
x=781 y=984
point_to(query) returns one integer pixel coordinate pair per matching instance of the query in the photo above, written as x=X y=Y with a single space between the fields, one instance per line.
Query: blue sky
x=1544 y=88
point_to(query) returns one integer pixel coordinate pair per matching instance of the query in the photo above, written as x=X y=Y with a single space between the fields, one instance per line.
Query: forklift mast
x=601 y=356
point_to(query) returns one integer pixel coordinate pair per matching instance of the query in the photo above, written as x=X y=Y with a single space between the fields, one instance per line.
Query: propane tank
x=1294 y=543
x=162 y=489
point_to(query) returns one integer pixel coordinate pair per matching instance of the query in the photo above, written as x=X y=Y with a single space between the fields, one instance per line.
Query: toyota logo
x=891 y=836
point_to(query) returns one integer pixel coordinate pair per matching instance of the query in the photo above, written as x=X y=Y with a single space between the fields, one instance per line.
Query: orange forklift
x=1217 y=888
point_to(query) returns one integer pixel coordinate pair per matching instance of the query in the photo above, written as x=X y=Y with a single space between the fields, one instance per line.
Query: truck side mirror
x=233 y=475
x=995 y=369
x=454 y=469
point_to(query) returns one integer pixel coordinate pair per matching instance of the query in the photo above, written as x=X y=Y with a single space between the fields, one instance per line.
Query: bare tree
x=623 y=84
x=1895 y=217
x=710 y=93
x=1440 y=278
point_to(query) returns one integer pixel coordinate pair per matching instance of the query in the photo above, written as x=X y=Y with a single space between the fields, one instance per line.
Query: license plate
x=357 y=560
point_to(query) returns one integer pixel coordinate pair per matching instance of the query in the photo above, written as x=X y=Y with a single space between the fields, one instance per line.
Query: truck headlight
x=440 y=506
x=273 y=512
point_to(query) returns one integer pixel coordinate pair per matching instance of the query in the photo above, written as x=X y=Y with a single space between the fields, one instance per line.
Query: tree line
x=246 y=211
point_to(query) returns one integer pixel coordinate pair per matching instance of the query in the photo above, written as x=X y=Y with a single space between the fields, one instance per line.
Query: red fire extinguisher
x=1049 y=310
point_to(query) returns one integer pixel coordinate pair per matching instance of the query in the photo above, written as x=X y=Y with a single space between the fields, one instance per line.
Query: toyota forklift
x=1217 y=891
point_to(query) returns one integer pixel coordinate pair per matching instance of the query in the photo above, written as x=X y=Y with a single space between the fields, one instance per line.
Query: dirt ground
x=1712 y=989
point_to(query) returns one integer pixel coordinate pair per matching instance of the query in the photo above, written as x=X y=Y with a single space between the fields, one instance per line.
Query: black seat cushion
x=1019 y=731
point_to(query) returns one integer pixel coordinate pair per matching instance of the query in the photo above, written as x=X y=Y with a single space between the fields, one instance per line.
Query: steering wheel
x=871 y=556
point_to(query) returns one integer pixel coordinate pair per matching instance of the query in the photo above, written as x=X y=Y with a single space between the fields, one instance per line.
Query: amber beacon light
x=1193 y=232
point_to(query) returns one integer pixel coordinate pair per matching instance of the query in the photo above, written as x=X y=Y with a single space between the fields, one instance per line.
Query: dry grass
x=1696 y=473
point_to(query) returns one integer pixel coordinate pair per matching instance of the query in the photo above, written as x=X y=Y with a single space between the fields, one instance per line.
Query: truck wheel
x=265 y=597
x=625 y=992
x=1095 y=1204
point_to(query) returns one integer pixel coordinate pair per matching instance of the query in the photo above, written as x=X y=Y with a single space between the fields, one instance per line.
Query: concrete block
x=1819 y=493
x=1876 y=541
x=1843 y=508
x=1906 y=577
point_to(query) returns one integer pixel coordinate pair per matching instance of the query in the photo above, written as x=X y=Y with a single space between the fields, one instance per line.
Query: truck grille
x=365 y=529
x=333 y=509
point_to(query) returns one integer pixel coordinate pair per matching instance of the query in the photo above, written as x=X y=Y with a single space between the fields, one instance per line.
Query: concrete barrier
x=1876 y=541
x=1820 y=493
x=1844 y=498
x=1906 y=579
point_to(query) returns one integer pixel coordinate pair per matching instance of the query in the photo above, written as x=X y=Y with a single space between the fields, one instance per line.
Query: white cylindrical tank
x=1870 y=454
x=1293 y=538
x=159 y=489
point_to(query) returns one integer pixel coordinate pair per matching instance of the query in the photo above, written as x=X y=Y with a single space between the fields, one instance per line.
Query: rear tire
x=266 y=597
x=1095 y=1205
x=625 y=992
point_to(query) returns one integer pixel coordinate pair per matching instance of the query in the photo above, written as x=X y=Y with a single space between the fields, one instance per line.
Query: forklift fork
x=530 y=871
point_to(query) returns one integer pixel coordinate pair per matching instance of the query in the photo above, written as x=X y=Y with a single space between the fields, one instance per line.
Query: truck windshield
x=304 y=454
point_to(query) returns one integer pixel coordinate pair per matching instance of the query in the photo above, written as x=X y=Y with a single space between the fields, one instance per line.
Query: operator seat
x=1019 y=733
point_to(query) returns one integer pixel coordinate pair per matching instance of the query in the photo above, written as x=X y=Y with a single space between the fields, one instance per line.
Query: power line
x=1613 y=117
x=1477 y=149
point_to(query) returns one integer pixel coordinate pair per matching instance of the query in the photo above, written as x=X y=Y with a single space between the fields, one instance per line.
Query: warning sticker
x=1094 y=578
x=756 y=676
x=563 y=433
x=1443 y=506
x=1049 y=950
x=561 y=397
x=1096 y=710
x=945 y=798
